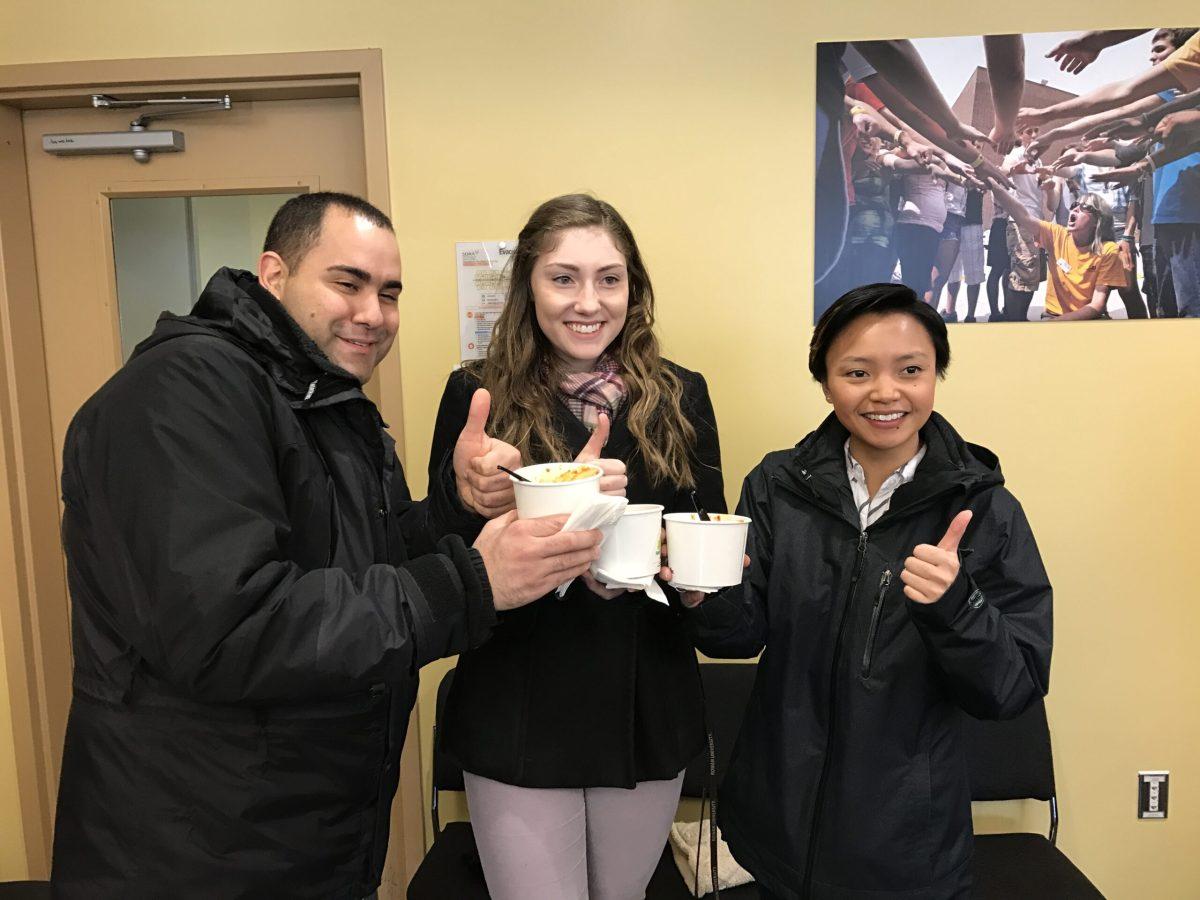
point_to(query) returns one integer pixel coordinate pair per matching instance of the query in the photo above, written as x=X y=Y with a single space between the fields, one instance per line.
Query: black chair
x=451 y=868
x=1012 y=760
x=726 y=693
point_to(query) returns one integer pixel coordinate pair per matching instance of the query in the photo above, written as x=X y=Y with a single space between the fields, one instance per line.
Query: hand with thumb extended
x=482 y=487
x=612 y=478
x=930 y=571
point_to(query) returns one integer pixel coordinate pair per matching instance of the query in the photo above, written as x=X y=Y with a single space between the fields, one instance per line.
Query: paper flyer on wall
x=482 y=284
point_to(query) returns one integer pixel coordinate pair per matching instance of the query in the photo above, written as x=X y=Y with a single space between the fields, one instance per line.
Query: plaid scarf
x=587 y=394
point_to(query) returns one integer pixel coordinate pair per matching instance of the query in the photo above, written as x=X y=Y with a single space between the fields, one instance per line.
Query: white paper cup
x=537 y=498
x=706 y=554
x=630 y=548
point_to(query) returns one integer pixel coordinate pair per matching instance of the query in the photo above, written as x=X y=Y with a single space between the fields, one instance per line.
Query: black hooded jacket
x=253 y=593
x=848 y=780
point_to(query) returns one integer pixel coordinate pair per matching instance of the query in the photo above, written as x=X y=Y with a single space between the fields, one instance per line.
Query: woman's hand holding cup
x=687 y=598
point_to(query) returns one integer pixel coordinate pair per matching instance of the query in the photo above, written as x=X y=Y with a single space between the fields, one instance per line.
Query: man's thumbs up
x=613 y=479
x=930 y=571
x=482 y=487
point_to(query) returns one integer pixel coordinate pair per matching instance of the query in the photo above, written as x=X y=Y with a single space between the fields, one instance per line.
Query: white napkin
x=600 y=512
x=647 y=584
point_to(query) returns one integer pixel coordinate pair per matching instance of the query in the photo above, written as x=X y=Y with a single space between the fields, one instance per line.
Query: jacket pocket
x=885 y=581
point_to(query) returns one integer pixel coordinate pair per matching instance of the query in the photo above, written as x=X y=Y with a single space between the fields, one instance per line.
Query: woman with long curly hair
x=574 y=723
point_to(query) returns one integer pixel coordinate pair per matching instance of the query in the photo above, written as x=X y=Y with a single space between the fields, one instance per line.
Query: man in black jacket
x=254 y=590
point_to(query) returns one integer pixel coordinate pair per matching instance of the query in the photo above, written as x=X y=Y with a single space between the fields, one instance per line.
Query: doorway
x=91 y=249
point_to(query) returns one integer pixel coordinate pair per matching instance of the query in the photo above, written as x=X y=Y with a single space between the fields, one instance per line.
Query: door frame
x=33 y=590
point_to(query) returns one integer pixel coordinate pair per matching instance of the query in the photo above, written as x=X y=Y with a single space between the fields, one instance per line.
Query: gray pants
x=570 y=843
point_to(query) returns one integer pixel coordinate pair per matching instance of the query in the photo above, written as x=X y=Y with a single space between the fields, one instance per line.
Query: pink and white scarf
x=587 y=394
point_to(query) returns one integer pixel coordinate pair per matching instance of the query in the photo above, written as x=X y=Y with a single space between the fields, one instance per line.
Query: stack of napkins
x=601 y=512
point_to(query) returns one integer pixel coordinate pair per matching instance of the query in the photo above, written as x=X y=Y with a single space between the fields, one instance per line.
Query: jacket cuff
x=482 y=615
x=480 y=606
x=452 y=607
x=962 y=600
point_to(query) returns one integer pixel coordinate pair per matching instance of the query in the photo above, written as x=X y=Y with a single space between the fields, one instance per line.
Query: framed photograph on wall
x=1046 y=177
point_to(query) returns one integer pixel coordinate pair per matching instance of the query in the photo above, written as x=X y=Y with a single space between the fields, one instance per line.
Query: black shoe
x=969 y=319
x=949 y=316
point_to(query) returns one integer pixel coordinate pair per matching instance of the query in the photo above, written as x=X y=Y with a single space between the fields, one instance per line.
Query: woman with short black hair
x=894 y=586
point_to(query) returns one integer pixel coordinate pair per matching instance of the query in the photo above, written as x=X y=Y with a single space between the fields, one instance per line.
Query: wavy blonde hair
x=523 y=375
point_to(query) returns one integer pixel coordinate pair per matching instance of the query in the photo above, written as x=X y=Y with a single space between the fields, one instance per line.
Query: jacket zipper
x=815 y=829
x=884 y=581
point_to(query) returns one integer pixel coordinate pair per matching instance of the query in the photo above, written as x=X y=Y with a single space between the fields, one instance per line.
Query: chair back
x=447 y=776
x=1010 y=760
x=727 y=689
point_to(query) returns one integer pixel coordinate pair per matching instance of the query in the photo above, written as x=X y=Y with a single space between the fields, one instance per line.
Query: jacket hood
x=235 y=307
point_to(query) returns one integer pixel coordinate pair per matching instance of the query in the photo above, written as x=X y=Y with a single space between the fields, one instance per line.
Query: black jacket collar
x=234 y=306
x=816 y=468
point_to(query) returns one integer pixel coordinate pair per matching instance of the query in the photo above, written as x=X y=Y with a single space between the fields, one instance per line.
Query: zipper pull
x=884 y=580
x=312 y=389
x=862 y=541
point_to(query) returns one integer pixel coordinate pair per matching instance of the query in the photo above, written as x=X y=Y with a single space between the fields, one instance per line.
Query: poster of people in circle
x=1048 y=177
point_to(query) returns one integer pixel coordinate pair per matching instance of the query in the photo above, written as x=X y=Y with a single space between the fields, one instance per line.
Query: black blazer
x=583 y=691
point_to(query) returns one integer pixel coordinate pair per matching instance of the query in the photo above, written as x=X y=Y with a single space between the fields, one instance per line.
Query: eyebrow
x=363 y=275
x=867 y=359
x=571 y=267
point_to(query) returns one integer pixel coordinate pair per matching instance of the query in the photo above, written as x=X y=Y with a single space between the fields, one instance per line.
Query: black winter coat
x=583 y=691
x=848 y=780
x=250 y=609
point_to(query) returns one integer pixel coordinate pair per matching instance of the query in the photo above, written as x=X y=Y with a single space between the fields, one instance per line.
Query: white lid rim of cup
x=643 y=509
x=530 y=471
x=691 y=519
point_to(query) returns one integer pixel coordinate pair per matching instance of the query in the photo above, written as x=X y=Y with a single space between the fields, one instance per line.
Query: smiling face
x=580 y=291
x=1028 y=135
x=343 y=292
x=881 y=379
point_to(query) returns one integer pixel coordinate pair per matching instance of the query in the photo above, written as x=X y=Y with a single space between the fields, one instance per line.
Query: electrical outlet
x=1152 y=795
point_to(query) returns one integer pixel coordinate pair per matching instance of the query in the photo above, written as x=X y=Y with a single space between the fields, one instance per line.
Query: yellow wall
x=694 y=118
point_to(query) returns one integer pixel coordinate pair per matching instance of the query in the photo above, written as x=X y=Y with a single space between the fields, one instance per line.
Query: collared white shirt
x=871 y=508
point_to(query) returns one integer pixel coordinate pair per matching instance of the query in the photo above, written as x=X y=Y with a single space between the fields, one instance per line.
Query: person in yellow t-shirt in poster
x=1083 y=265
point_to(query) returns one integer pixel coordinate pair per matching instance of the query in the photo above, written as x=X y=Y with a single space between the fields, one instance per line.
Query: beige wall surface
x=696 y=120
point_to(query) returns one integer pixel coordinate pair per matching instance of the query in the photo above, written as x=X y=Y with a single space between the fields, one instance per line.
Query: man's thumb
x=954 y=533
x=595 y=445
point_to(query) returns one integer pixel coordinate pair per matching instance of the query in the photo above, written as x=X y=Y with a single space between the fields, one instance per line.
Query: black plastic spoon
x=515 y=475
x=704 y=516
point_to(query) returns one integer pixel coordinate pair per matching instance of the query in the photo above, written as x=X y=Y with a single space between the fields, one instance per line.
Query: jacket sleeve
x=451 y=417
x=178 y=527
x=732 y=623
x=991 y=633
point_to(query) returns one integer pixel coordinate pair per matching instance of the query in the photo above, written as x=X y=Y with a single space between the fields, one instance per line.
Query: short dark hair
x=296 y=226
x=1177 y=36
x=876 y=299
